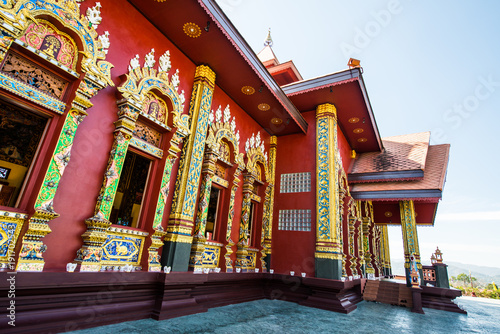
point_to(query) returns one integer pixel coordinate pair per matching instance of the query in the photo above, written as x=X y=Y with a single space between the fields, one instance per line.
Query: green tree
x=466 y=279
x=463 y=277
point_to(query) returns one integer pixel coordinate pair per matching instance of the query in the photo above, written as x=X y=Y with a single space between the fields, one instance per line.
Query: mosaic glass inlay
x=294 y=220
x=295 y=183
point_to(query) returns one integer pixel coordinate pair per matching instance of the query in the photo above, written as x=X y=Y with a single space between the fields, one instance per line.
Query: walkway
x=274 y=316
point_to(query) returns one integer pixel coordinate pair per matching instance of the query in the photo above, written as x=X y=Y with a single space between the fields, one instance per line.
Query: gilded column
x=376 y=249
x=384 y=238
x=198 y=246
x=241 y=253
x=177 y=248
x=328 y=255
x=352 y=255
x=230 y=217
x=410 y=238
x=32 y=249
x=267 y=222
x=154 y=263
x=89 y=255
x=342 y=194
x=366 y=246
x=361 y=252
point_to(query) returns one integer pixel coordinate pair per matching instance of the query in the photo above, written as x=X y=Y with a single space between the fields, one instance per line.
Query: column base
x=442 y=280
x=328 y=268
x=408 y=277
x=176 y=255
x=90 y=267
x=416 y=294
x=27 y=265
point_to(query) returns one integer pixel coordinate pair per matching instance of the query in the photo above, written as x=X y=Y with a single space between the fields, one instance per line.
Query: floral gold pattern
x=264 y=106
x=192 y=29
x=247 y=90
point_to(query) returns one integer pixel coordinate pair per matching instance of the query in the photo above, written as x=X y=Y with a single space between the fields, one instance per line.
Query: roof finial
x=269 y=40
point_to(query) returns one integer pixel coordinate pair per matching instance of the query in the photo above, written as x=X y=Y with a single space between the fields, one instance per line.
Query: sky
x=428 y=66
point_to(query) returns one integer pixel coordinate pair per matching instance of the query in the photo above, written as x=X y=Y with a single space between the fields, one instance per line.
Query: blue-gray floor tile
x=274 y=316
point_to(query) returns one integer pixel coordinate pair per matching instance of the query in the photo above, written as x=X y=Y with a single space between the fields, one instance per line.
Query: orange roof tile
x=401 y=153
x=434 y=174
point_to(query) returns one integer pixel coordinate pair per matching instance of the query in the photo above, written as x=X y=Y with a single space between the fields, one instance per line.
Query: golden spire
x=269 y=40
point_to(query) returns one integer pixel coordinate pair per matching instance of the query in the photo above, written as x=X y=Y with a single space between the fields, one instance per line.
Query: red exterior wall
x=345 y=150
x=77 y=194
x=294 y=250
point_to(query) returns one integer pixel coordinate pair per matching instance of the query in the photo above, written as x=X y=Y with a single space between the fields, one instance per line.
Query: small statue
x=94 y=14
x=134 y=63
x=149 y=60
x=164 y=62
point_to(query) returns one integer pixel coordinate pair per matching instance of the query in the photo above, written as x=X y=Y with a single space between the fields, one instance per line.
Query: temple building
x=148 y=152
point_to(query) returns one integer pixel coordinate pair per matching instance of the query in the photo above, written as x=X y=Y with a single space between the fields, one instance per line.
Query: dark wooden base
x=50 y=302
x=441 y=299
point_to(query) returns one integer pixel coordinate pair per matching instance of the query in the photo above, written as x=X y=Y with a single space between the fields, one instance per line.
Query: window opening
x=213 y=206
x=251 y=222
x=21 y=132
x=129 y=195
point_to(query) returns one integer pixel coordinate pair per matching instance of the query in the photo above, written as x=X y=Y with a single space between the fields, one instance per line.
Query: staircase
x=387 y=293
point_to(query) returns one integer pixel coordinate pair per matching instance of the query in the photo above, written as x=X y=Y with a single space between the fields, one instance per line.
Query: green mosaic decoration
x=59 y=161
x=201 y=218
x=107 y=195
x=164 y=191
x=245 y=215
x=230 y=215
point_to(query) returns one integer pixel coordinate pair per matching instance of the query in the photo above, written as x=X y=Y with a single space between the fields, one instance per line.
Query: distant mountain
x=483 y=274
x=487 y=271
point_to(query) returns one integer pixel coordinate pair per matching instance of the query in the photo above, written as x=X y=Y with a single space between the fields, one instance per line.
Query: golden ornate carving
x=29 y=73
x=328 y=215
x=204 y=72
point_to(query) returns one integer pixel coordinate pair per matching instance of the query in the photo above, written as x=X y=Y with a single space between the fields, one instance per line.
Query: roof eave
x=416 y=174
x=370 y=111
x=238 y=41
x=431 y=195
x=320 y=82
